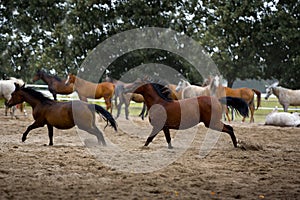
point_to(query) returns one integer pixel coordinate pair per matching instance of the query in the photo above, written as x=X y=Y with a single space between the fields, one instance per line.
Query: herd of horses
x=169 y=106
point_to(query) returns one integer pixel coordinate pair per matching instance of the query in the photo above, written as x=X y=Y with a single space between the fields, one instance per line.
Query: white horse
x=189 y=90
x=276 y=118
x=286 y=97
x=6 y=88
x=181 y=85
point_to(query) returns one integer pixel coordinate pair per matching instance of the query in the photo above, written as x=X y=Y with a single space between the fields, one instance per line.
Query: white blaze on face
x=67 y=81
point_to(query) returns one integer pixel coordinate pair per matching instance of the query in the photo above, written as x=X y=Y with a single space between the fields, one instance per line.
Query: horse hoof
x=50 y=144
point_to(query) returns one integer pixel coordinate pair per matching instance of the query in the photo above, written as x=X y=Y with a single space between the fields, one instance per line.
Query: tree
x=229 y=35
x=278 y=40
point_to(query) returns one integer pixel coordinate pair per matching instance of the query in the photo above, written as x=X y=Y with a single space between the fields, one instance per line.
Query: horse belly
x=60 y=116
x=188 y=114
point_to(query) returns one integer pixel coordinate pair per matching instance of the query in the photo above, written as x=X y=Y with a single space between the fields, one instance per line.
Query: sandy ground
x=70 y=170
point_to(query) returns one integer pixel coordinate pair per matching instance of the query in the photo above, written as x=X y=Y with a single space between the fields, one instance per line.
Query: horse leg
x=219 y=126
x=95 y=131
x=12 y=112
x=126 y=110
x=227 y=113
x=142 y=114
x=252 y=108
x=285 y=107
x=108 y=104
x=119 y=107
x=29 y=128
x=54 y=96
x=168 y=137
x=228 y=129
x=154 y=132
x=50 y=134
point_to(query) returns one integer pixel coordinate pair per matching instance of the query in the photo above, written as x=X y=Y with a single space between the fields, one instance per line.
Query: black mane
x=37 y=95
x=162 y=90
x=51 y=76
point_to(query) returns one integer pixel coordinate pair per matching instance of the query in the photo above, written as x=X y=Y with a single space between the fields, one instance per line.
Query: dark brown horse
x=55 y=84
x=166 y=113
x=60 y=114
x=87 y=89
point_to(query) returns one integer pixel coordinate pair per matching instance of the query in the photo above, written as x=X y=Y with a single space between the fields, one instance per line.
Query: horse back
x=245 y=93
x=293 y=97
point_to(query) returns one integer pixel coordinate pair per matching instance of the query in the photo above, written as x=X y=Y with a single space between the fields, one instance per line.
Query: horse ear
x=18 y=87
x=275 y=84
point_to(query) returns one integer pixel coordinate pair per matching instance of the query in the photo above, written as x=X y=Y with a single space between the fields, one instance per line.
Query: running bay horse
x=286 y=97
x=55 y=84
x=166 y=113
x=60 y=114
x=87 y=89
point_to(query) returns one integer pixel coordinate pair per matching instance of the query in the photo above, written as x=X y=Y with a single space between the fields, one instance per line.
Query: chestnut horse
x=55 y=84
x=248 y=95
x=87 y=89
x=60 y=114
x=166 y=113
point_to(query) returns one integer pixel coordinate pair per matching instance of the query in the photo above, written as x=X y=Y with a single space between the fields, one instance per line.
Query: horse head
x=37 y=76
x=269 y=89
x=16 y=97
x=182 y=84
x=70 y=79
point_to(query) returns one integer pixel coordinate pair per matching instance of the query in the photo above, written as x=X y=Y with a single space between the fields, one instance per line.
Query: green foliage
x=247 y=39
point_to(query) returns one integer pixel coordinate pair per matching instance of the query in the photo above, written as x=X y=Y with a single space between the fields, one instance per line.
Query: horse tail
x=258 y=94
x=237 y=104
x=106 y=116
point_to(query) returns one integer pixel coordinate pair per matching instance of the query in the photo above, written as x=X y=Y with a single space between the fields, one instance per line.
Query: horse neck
x=31 y=100
x=186 y=84
x=151 y=97
x=46 y=78
x=276 y=91
x=79 y=82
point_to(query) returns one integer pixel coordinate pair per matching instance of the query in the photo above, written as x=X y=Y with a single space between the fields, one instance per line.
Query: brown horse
x=55 y=84
x=166 y=113
x=60 y=114
x=248 y=95
x=86 y=89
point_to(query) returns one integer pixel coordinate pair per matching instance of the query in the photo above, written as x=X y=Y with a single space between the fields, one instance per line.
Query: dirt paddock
x=67 y=170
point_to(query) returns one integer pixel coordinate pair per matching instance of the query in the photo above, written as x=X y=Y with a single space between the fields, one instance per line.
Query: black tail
x=106 y=115
x=237 y=104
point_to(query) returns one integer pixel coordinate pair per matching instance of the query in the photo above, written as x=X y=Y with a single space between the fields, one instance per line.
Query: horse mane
x=162 y=90
x=57 y=78
x=37 y=95
x=49 y=75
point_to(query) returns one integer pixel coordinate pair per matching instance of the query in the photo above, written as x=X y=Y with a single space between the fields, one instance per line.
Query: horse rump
x=237 y=104
x=105 y=114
